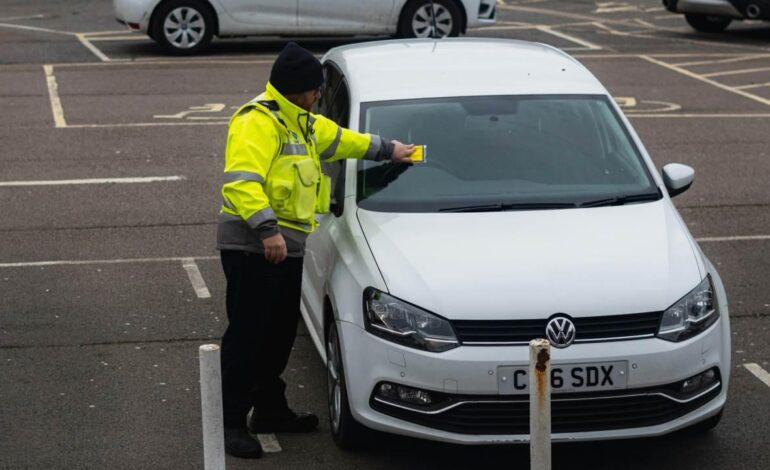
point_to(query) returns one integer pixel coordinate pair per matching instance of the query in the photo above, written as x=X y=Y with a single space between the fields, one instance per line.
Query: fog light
x=414 y=396
x=402 y=393
x=388 y=390
x=698 y=382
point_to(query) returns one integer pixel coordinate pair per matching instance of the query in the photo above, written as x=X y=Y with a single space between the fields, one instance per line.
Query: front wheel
x=346 y=431
x=417 y=19
x=708 y=23
x=183 y=27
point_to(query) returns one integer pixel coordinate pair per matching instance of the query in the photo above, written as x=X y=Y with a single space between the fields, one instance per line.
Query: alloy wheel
x=184 y=27
x=422 y=21
x=334 y=381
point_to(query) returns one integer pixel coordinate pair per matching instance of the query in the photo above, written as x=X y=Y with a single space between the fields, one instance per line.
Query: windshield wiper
x=620 y=200
x=510 y=207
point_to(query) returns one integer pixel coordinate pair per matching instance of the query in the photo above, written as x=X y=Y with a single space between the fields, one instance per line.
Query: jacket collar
x=295 y=116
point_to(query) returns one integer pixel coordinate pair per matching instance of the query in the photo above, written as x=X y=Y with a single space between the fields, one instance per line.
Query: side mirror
x=678 y=178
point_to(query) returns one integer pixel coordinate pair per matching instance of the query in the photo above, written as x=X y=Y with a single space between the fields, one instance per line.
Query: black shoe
x=286 y=422
x=239 y=443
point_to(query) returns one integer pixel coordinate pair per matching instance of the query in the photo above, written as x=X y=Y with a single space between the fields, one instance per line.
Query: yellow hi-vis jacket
x=273 y=172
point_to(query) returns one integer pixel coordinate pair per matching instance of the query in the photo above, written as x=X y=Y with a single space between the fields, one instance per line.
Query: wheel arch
x=464 y=25
x=206 y=3
x=328 y=316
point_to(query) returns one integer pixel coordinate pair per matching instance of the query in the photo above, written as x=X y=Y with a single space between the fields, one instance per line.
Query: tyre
x=707 y=23
x=183 y=27
x=346 y=431
x=417 y=19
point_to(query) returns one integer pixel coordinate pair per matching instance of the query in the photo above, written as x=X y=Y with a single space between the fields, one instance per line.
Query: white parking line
x=98 y=53
x=587 y=46
x=53 y=95
x=58 y=110
x=36 y=29
x=602 y=26
x=722 y=61
x=752 y=86
x=735 y=72
x=703 y=79
x=549 y=29
x=148 y=61
x=127 y=37
x=91 y=34
x=556 y=12
x=82 y=37
x=269 y=443
x=737 y=238
x=35 y=264
x=196 y=279
x=145 y=124
x=614 y=7
x=15 y=18
x=758 y=372
x=145 y=179
x=667 y=17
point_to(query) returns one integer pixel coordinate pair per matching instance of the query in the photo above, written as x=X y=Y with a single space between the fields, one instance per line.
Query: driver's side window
x=335 y=105
x=332 y=78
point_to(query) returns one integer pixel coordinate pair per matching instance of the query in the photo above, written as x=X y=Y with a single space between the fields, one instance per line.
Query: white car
x=537 y=213
x=187 y=26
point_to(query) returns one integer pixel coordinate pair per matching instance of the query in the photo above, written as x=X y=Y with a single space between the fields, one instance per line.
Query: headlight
x=395 y=320
x=692 y=314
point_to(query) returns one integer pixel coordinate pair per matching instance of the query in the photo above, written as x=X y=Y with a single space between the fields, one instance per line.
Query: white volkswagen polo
x=537 y=213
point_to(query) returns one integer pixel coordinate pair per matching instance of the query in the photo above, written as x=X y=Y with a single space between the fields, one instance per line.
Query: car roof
x=431 y=68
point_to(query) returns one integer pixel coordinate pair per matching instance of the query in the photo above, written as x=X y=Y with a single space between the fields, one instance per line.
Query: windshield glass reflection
x=509 y=152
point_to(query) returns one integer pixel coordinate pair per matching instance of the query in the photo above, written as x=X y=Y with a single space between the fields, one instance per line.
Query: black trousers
x=263 y=312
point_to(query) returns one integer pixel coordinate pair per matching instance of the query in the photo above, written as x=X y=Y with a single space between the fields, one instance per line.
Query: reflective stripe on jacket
x=272 y=169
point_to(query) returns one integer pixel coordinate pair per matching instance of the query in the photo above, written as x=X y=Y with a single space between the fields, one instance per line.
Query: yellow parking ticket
x=419 y=154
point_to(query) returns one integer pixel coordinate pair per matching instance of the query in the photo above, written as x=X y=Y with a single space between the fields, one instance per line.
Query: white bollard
x=540 y=404
x=211 y=408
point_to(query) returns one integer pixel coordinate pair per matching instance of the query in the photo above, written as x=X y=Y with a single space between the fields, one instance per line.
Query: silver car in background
x=187 y=26
x=713 y=16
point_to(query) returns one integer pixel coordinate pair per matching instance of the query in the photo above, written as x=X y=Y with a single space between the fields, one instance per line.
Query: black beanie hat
x=296 y=71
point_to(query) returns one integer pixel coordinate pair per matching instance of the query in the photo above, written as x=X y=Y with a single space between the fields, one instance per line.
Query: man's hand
x=401 y=152
x=275 y=248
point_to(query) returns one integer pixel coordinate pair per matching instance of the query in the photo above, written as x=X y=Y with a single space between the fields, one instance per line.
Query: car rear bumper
x=134 y=14
x=480 y=12
x=703 y=7
x=468 y=374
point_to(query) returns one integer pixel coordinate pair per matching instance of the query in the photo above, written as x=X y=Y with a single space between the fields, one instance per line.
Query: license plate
x=566 y=377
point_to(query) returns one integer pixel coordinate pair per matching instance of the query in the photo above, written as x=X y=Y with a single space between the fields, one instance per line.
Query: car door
x=346 y=16
x=261 y=16
x=321 y=252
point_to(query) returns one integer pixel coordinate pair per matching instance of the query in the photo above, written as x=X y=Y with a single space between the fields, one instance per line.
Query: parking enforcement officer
x=273 y=188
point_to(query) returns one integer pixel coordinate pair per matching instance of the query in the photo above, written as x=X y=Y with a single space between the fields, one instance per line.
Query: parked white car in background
x=538 y=213
x=186 y=26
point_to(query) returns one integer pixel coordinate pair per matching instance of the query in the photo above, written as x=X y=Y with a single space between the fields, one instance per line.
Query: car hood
x=529 y=264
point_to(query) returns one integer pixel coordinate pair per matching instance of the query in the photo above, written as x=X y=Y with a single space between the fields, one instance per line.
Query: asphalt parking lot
x=111 y=160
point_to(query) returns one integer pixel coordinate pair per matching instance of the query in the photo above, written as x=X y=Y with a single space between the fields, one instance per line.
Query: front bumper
x=470 y=372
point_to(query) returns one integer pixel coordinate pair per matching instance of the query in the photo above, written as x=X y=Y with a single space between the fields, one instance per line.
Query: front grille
x=588 y=329
x=598 y=411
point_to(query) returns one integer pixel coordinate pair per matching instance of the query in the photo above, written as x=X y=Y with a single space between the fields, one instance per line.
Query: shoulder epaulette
x=269 y=104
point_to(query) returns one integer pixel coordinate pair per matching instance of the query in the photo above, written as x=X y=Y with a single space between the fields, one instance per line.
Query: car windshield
x=503 y=153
